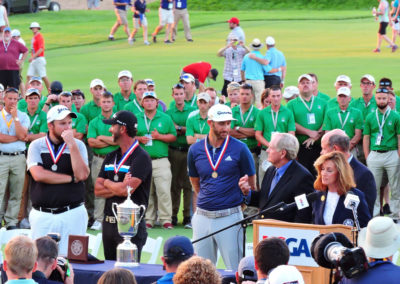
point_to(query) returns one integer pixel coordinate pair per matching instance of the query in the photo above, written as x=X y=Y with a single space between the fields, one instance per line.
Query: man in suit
x=282 y=182
x=337 y=140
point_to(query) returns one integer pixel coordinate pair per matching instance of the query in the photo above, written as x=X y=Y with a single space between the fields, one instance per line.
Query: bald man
x=337 y=140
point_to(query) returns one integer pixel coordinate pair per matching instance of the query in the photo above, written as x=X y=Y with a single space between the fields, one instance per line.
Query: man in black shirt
x=129 y=165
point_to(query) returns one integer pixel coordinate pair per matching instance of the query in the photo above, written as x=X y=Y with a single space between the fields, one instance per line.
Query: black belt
x=157 y=158
x=58 y=210
x=381 y=151
x=254 y=150
x=100 y=156
x=12 y=153
x=182 y=149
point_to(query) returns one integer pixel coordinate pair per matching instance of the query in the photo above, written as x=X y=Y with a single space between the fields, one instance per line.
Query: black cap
x=124 y=118
x=385 y=82
x=56 y=87
x=214 y=73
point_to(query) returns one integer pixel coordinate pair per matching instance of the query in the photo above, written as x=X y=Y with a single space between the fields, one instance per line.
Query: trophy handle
x=144 y=211
x=113 y=210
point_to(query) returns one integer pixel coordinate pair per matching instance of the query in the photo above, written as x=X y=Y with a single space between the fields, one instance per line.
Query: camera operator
x=47 y=263
x=380 y=240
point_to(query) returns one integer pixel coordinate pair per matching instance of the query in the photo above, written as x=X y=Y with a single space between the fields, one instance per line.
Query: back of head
x=285 y=274
x=177 y=249
x=197 y=270
x=47 y=249
x=287 y=142
x=247 y=270
x=342 y=142
x=20 y=255
x=270 y=253
x=117 y=276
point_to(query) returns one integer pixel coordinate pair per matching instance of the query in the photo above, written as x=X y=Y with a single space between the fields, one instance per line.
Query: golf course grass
x=327 y=43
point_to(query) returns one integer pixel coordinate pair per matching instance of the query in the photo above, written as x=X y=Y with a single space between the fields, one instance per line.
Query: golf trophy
x=128 y=218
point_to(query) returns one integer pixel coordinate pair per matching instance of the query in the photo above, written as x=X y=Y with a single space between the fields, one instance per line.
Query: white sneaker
x=96 y=226
x=130 y=41
x=147 y=43
x=24 y=224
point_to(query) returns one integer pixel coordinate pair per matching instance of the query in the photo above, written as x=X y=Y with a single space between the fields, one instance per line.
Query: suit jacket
x=342 y=215
x=365 y=182
x=295 y=181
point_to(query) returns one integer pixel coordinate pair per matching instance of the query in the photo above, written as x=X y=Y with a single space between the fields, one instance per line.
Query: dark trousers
x=10 y=78
x=307 y=157
x=272 y=81
x=224 y=87
x=111 y=239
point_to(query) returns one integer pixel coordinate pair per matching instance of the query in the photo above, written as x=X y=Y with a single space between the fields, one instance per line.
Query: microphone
x=301 y=201
x=351 y=202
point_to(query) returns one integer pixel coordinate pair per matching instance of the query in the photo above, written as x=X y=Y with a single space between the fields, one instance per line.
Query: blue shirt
x=167 y=5
x=379 y=272
x=276 y=59
x=7 y=126
x=21 y=281
x=141 y=7
x=396 y=5
x=122 y=1
x=166 y=279
x=222 y=192
x=254 y=70
x=180 y=4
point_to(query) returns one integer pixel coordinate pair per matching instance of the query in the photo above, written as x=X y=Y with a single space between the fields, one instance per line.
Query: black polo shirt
x=138 y=164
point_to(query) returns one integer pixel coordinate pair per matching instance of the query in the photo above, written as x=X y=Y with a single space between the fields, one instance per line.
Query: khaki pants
x=11 y=170
x=184 y=15
x=258 y=88
x=98 y=201
x=160 y=192
x=262 y=160
x=180 y=181
x=389 y=162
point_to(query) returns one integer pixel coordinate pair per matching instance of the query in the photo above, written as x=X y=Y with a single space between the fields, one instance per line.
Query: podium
x=299 y=238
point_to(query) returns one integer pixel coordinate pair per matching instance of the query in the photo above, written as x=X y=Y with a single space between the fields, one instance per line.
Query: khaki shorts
x=166 y=17
x=37 y=67
x=121 y=17
x=138 y=23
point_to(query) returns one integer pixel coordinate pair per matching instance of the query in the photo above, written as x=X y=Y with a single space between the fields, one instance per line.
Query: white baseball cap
x=369 y=78
x=344 y=91
x=125 y=73
x=32 y=91
x=59 y=112
x=284 y=274
x=290 y=92
x=15 y=32
x=97 y=82
x=150 y=82
x=305 y=76
x=34 y=78
x=149 y=95
x=220 y=113
x=188 y=78
x=270 y=40
x=35 y=25
x=256 y=44
x=343 y=78
x=204 y=96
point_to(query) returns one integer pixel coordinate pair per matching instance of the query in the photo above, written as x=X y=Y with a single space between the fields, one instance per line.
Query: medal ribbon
x=55 y=157
x=215 y=167
x=7 y=122
x=125 y=157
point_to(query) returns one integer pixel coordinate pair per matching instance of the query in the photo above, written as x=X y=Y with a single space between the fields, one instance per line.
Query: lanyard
x=345 y=120
x=384 y=117
x=193 y=100
x=274 y=119
x=33 y=122
x=248 y=116
x=147 y=124
x=305 y=104
x=202 y=127
x=6 y=46
x=138 y=106
x=7 y=122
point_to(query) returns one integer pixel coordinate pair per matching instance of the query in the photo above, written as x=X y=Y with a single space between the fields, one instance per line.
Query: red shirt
x=37 y=43
x=199 y=70
x=8 y=59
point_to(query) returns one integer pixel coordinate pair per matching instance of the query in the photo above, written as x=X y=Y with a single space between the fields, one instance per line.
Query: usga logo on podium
x=298 y=241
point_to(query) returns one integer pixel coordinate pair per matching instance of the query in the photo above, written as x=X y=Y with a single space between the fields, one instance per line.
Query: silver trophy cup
x=128 y=218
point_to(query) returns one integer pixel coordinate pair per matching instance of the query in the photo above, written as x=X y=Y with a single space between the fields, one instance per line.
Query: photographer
x=380 y=241
x=47 y=263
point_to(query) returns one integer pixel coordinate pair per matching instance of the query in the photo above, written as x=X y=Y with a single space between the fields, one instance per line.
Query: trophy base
x=126 y=264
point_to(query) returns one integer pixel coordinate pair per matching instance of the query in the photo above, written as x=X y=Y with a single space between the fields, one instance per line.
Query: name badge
x=378 y=139
x=273 y=132
x=179 y=4
x=311 y=118
x=170 y=5
x=235 y=72
x=150 y=142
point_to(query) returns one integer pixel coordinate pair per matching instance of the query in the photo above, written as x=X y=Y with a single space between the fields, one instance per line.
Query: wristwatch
x=179 y=128
x=237 y=128
x=16 y=119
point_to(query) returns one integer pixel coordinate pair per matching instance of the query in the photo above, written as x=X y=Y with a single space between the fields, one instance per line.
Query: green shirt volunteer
x=196 y=125
x=90 y=110
x=333 y=103
x=120 y=101
x=323 y=96
x=348 y=120
x=79 y=123
x=246 y=120
x=179 y=117
x=136 y=108
x=98 y=128
x=365 y=108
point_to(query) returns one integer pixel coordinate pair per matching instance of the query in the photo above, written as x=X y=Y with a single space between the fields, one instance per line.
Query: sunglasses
x=246 y=86
x=12 y=89
x=66 y=94
x=382 y=90
x=178 y=86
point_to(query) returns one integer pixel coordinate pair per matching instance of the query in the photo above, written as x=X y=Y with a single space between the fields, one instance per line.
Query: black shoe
x=111 y=38
x=186 y=220
x=190 y=40
x=174 y=220
x=386 y=209
x=12 y=228
x=154 y=39
x=167 y=41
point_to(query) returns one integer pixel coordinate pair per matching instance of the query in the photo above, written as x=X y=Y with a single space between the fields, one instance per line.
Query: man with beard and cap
x=128 y=166
x=381 y=148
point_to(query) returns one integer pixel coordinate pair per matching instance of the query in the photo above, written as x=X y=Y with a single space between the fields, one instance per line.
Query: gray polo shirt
x=5 y=118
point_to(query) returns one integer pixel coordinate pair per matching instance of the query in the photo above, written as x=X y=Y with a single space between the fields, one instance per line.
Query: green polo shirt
x=365 y=109
x=164 y=125
x=90 y=110
x=120 y=101
x=192 y=103
x=333 y=103
x=247 y=120
x=323 y=96
x=23 y=105
x=179 y=117
x=196 y=125
x=38 y=121
x=97 y=128
x=79 y=123
x=390 y=130
x=136 y=108
x=265 y=122
x=311 y=119
x=350 y=120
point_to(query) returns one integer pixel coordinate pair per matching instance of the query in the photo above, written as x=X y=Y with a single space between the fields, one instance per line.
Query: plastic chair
x=6 y=236
x=152 y=246
x=94 y=243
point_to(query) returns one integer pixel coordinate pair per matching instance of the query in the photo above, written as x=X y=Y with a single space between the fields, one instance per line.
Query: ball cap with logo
x=32 y=91
x=344 y=91
x=59 y=112
x=256 y=44
x=186 y=77
x=343 y=78
x=305 y=76
x=369 y=78
x=124 y=118
x=178 y=248
x=290 y=91
x=285 y=274
x=220 y=113
x=125 y=73
x=381 y=238
x=247 y=270
x=97 y=82
x=204 y=96
x=56 y=87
